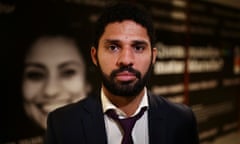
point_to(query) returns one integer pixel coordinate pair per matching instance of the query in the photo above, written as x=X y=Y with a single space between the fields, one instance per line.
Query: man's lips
x=125 y=76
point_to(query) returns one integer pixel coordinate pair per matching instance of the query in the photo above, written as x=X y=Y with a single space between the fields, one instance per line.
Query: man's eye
x=34 y=76
x=113 y=47
x=68 y=73
x=139 y=48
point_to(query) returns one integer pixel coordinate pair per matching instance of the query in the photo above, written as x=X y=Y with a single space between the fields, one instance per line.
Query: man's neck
x=127 y=104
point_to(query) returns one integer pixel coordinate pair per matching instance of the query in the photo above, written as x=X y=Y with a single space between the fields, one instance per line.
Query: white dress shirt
x=140 y=129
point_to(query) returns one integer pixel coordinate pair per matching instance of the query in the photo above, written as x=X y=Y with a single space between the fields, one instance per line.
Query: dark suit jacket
x=83 y=123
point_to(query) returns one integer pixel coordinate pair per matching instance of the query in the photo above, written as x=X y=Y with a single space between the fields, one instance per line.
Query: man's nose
x=126 y=57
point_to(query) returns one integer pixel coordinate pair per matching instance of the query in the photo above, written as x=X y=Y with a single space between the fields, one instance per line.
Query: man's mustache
x=128 y=69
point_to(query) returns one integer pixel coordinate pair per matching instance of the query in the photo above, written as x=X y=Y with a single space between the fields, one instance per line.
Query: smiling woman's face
x=54 y=75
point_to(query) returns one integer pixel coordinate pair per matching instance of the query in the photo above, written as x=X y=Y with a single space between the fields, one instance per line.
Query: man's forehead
x=125 y=30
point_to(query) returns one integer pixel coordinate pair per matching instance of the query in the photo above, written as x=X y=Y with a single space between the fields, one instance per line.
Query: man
x=124 y=55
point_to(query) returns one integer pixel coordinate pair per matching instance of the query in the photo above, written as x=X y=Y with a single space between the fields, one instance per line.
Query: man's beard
x=128 y=88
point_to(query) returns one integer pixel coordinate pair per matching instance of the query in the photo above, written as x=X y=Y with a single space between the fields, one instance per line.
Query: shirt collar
x=106 y=104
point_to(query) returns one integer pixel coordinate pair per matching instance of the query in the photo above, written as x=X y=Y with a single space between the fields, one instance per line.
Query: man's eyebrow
x=134 y=41
x=111 y=41
x=140 y=42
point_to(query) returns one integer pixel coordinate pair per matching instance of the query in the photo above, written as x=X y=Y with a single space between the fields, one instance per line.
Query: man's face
x=53 y=77
x=124 y=57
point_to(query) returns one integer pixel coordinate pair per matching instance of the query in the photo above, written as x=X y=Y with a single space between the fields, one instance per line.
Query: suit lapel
x=93 y=122
x=157 y=121
x=94 y=125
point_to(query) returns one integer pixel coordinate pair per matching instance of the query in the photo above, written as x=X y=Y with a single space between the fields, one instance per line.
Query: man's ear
x=94 y=55
x=155 y=52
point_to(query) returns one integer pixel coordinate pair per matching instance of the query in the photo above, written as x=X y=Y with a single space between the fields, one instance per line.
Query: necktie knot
x=126 y=124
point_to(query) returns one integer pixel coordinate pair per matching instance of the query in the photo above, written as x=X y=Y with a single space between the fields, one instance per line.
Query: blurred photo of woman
x=54 y=75
x=46 y=68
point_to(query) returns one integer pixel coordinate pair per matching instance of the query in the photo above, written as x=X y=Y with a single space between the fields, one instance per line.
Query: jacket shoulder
x=73 y=109
x=170 y=108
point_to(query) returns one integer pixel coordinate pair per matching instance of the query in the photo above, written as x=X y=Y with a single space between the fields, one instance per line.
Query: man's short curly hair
x=119 y=12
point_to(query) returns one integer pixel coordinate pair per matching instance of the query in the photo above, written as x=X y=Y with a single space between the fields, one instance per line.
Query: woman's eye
x=34 y=76
x=68 y=73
